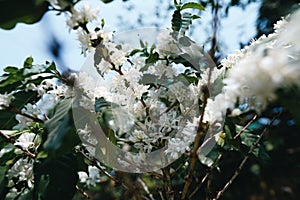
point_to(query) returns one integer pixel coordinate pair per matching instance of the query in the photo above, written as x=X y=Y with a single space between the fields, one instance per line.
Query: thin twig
x=239 y=169
x=206 y=176
x=161 y=195
x=16 y=111
x=155 y=174
x=215 y=24
x=94 y=162
x=220 y=157
x=200 y=133
x=245 y=127
x=12 y=141
x=82 y=192
x=144 y=186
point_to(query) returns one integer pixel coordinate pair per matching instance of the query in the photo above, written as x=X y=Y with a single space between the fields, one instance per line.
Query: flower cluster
x=259 y=70
x=82 y=13
x=91 y=178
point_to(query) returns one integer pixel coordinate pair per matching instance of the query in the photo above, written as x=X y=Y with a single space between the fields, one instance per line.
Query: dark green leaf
x=148 y=79
x=290 y=99
x=208 y=158
x=248 y=138
x=152 y=58
x=59 y=125
x=101 y=105
x=3 y=182
x=192 y=5
x=176 y=21
x=11 y=70
x=195 y=17
x=15 y=78
x=59 y=175
x=135 y=51
x=186 y=21
x=190 y=79
x=7 y=118
x=6 y=157
x=142 y=44
x=263 y=155
x=14 y=11
x=106 y=1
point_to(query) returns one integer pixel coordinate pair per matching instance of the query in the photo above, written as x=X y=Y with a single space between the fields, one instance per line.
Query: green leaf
x=15 y=78
x=106 y=1
x=263 y=155
x=7 y=156
x=152 y=58
x=11 y=70
x=248 y=138
x=210 y=157
x=3 y=182
x=192 y=5
x=135 y=51
x=176 y=21
x=59 y=125
x=290 y=99
x=14 y=11
x=7 y=118
x=28 y=62
x=101 y=105
x=195 y=17
x=186 y=21
x=59 y=175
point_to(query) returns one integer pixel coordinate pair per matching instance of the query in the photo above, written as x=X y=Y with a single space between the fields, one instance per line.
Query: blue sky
x=31 y=40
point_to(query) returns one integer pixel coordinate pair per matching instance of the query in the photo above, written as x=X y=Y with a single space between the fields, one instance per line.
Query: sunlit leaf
x=192 y=5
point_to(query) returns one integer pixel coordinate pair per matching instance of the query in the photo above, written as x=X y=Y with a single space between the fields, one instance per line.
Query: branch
x=200 y=133
x=94 y=162
x=12 y=141
x=206 y=176
x=245 y=127
x=239 y=169
x=16 y=111
x=143 y=184
x=215 y=23
x=167 y=183
x=219 y=158
x=82 y=192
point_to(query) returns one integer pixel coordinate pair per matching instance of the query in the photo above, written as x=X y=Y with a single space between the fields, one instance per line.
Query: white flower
x=268 y=64
x=81 y=14
x=85 y=41
x=28 y=141
x=31 y=110
x=166 y=43
x=90 y=179
x=290 y=31
x=183 y=139
x=160 y=69
x=5 y=100
x=88 y=139
x=232 y=59
x=104 y=66
x=236 y=112
x=22 y=170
